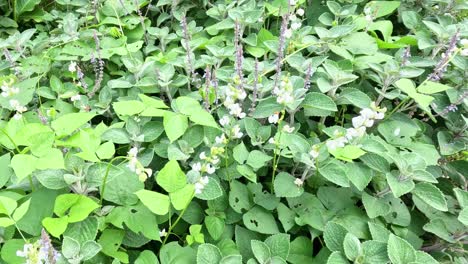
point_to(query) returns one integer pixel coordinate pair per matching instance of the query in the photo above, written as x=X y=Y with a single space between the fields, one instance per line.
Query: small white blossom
x=299 y=182
x=355 y=132
x=464 y=52
x=202 y=155
x=296 y=25
x=72 y=67
x=200 y=184
x=292 y=2
x=133 y=152
x=210 y=169
x=220 y=139
x=236 y=133
x=288 y=129
x=314 y=153
x=76 y=97
x=163 y=233
x=204 y=180
x=273 y=119
x=272 y=141
x=236 y=110
x=224 y=121
x=8 y=90
x=396 y=132
x=339 y=142
x=464 y=42
x=197 y=166
x=292 y=17
x=300 y=12
x=288 y=33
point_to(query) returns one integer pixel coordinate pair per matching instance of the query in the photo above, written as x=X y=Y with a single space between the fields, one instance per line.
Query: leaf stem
x=171 y=227
x=104 y=180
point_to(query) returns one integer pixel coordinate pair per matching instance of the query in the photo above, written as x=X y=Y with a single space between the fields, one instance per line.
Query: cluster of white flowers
x=288 y=128
x=20 y=109
x=464 y=51
x=200 y=184
x=296 y=23
x=135 y=166
x=8 y=89
x=366 y=119
x=274 y=118
x=232 y=95
x=299 y=182
x=284 y=92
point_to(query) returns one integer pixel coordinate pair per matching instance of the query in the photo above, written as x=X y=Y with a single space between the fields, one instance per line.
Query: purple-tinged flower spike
x=98 y=66
x=309 y=74
x=10 y=60
x=142 y=20
x=281 y=46
x=207 y=87
x=190 y=70
x=239 y=54
x=215 y=84
x=255 y=88
x=405 y=57
x=441 y=66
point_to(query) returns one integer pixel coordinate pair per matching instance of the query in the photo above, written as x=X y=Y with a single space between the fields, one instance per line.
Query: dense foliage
x=226 y=131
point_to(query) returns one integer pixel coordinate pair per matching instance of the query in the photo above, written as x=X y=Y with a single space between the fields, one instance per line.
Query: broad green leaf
x=21 y=210
x=375 y=206
x=431 y=195
x=266 y=108
x=374 y=252
x=106 y=150
x=399 y=184
x=208 y=254
x=334 y=236
x=77 y=207
x=182 y=197
x=285 y=186
x=147 y=257
x=337 y=258
x=429 y=87
x=175 y=125
x=155 y=202
x=335 y=172
x=382 y=8
x=260 y=220
x=7 y=205
x=352 y=246
x=215 y=226
x=258 y=159
x=279 y=245
x=211 y=191
x=23 y=165
x=240 y=153
x=202 y=117
x=22 y=6
x=261 y=251
x=400 y=251
x=66 y=124
x=55 y=226
x=128 y=108
x=171 y=177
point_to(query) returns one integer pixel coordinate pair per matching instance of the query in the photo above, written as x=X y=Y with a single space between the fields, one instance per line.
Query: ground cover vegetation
x=227 y=132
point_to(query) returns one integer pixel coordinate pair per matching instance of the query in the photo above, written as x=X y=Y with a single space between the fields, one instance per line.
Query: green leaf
x=279 y=245
x=22 y=6
x=89 y=249
x=175 y=125
x=266 y=108
x=215 y=226
x=285 y=186
x=431 y=195
x=156 y=202
x=348 y=153
x=208 y=254
x=374 y=206
x=463 y=216
x=128 y=108
x=400 y=251
x=429 y=87
x=399 y=184
x=23 y=165
x=5 y=170
x=77 y=207
x=70 y=247
x=147 y=257
x=55 y=226
x=106 y=150
x=257 y=159
x=374 y=252
x=359 y=174
x=260 y=220
x=211 y=191
x=171 y=177
x=382 y=8
x=239 y=198
x=334 y=235
x=334 y=172
x=240 y=153
x=352 y=246
x=21 y=210
x=261 y=251
x=318 y=104
x=7 y=205
x=182 y=197
x=337 y=258
x=66 y=124
x=203 y=118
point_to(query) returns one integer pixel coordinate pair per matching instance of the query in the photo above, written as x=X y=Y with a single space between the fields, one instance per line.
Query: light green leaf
x=106 y=150
x=261 y=251
x=55 y=226
x=399 y=184
x=208 y=254
x=128 y=108
x=175 y=125
x=215 y=226
x=285 y=186
x=429 y=87
x=171 y=178
x=156 y=202
x=352 y=246
x=22 y=6
x=260 y=220
x=334 y=235
x=21 y=210
x=257 y=159
x=23 y=165
x=211 y=191
x=66 y=124
x=202 y=117
x=240 y=153
x=400 y=251
x=374 y=206
x=279 y=245
x=431 y=195
x=182 y=197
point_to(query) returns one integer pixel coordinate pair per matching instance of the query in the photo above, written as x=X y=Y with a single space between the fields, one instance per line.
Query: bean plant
x=220 y=131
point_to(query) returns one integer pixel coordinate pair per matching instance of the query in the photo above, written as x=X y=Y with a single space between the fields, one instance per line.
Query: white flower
x=220 y=139
x=133 y=152
x=8 y=90
x=285 y=97
x=464 y=42
x=379 y=115
x=360 y=121
x=296 y=25
x=288 y=129
x=369 y=18
x=202 y=155
x=210 y=169
x=14 y=103
x=292 y=17
x=163 y=233
x=273 y=119
x=27 y=248
x=197 y=166
x=300 y=12
x=298 y=182
x=132 y=165
x=355 y=132
x=464 y=52
x=288 y=33
x=396 y=132
x=272 y=141
x=292 y=2
x=224 y=121
x=76 y=97
x=339 y=142
x=72 y=67
x=149 y=172
x=215 y=160
x=200 y=184
x=367 y=10
x=236 y=110
x=204 y=180
x=17 y=116
x=314 y=153
x=236 y=133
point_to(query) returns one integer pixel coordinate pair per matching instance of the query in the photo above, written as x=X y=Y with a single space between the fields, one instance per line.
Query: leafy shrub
x=233 y=131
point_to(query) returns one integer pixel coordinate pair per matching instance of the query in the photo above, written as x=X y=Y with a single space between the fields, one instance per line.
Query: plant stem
x=171 y=227
x=104 y=180
x=275 y=156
